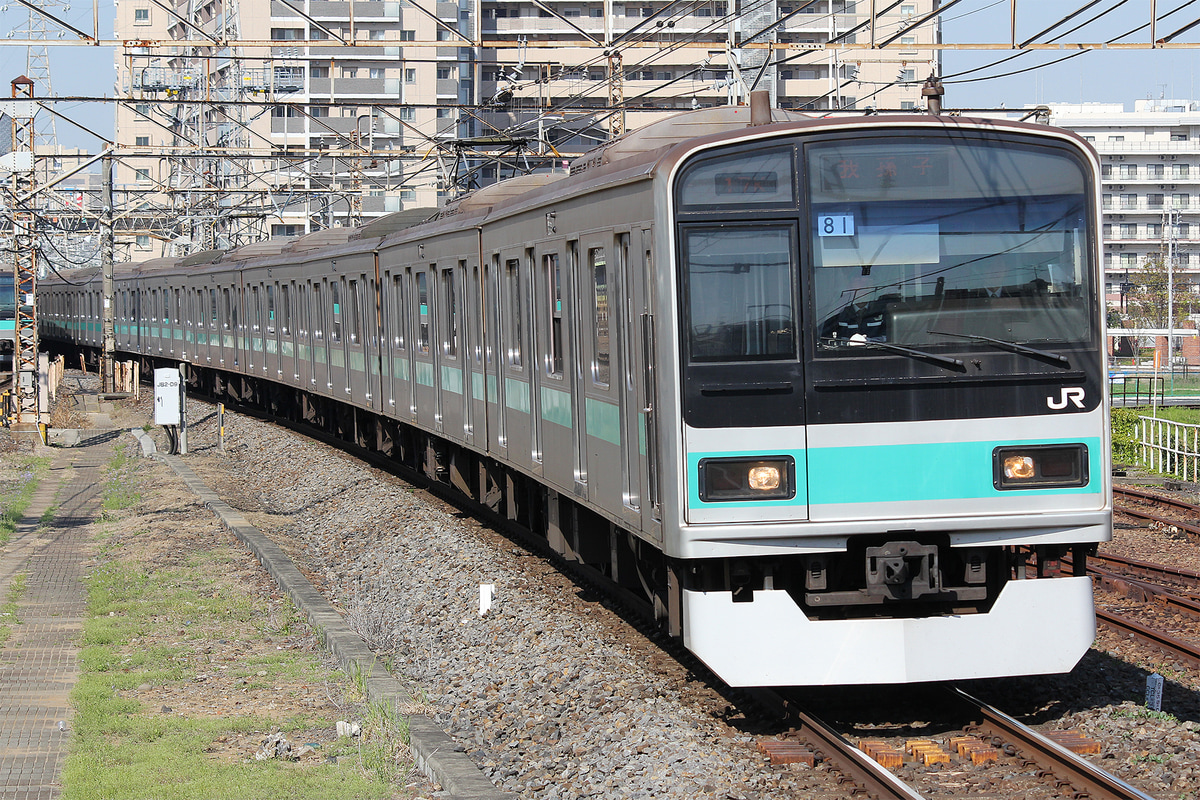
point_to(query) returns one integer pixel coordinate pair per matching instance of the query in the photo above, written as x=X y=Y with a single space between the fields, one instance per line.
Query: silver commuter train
x=827 y=393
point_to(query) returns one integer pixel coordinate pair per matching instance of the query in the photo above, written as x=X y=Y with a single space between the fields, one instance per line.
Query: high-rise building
x=331 y=113
x=1150 y=172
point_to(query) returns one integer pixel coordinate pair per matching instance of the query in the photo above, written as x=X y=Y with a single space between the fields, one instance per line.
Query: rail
x=1170 y=448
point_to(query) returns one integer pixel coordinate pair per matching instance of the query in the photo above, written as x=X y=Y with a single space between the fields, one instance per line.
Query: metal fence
x=1136 y=390
x=1171 y=448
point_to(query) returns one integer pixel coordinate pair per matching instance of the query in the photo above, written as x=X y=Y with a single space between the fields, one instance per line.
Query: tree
x=1147 y=301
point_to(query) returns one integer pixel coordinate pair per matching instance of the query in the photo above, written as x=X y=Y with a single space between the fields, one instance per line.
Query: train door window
x=516 y=351
x=255 y=308
x=554 y=351
x=422 y=313
x=235 y=309
x=355 y=321
x=317 y=308
x=270 y=308
x=212 y=308
x=450 y=335
x=179 y=311
x=399 y=322
x=476 y=334
x=601 y=368
x=335 y=298
x=285 y=309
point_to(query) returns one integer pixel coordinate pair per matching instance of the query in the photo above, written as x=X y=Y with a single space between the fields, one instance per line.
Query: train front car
x=890 y=354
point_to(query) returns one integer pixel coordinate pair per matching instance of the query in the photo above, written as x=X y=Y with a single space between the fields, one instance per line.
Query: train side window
x=399 y=322
x=554 y=355
x=355 y=313
x=601 y=363
x=422 y=313
x=212 y=302
x=270 y=308
x=335 y=299
x=450 y=338
x=516 y=352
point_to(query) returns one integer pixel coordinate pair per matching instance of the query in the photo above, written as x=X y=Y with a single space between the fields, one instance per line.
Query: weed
x=120 y=484
x=8 y=611
x=17 y=492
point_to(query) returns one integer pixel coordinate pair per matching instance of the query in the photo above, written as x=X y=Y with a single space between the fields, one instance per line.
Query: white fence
x=1171 y=448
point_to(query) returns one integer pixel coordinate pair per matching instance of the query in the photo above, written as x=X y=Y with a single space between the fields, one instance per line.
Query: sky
x=1112 y=76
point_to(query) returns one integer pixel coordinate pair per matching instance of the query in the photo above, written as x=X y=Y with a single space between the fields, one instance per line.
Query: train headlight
x=771 y=478
x=1040 y=466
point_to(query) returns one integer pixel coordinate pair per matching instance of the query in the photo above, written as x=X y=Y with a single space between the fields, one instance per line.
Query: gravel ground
x=554 y=696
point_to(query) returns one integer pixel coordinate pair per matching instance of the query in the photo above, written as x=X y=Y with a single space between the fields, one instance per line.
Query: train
x=825 y=394
x=8 y=320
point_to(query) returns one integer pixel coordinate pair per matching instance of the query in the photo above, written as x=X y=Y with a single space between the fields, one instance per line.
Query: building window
x=1183 y=230
x=1129 y=171
x=1108 y=201
x=142 y=242
x=1128 y=230
x=908 y=10
x=408 y=36
x=444 y=35
x=443 y=73
x=143 y=109
x=1154 y=200
x=1179 y=136
x=444 y=113
x=1129 y=201
x=319 y=72
x=907 y=75
x=319 y=111
x=377 y=34
x=908 y=105
x=1154 y=230
x=142 y=175
x=317 y=34
x=349 y=72
x=141 y=16
x=1181 y=200
x=1179 y=171
x=407 y=114
x=408 y=194
x=286 y=230
x=1106 y=170
x=141 y=141
x=377 y=73
x=1154 y=170
x=286 y=34
x=1129 y=260
x=410 y=75
x=1116 y=138
x=908 y=41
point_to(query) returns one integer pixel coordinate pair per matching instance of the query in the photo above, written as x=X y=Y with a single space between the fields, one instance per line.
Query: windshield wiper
x=1012 y=347
x=943 y=361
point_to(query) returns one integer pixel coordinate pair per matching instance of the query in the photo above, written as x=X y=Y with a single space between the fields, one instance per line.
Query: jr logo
x=1073 y=394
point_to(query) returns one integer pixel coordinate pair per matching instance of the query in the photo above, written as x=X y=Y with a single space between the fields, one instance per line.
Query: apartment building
x=1150 y=170
x=332 y=112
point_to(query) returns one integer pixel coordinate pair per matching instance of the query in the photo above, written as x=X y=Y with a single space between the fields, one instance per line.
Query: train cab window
x=922 y=244
x=512 y=279
x=450 y=335
x=422 y=312
x=270 y=308
x=739 y=290
x=554 y=342
x=335 y=299
x=355 y=322
x=601 y=362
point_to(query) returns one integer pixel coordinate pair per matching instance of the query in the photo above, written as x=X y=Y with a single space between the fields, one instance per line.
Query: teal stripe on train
x=603 y=420
x=892 y=473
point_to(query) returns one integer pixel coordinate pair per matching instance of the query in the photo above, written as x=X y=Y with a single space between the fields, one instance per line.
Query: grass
x=16 y=494
x=191 y=635
x=120 y=489
x=8 y=611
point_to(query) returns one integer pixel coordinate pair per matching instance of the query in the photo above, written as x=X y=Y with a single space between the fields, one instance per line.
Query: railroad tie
x=785 y=752
x=884 y=754
x=1074 y=741
x=974 y=748
x=927 y=751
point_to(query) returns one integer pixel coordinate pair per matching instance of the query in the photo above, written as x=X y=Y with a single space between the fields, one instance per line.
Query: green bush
x=1124 y=435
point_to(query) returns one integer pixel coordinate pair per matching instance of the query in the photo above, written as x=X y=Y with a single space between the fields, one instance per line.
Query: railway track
x=1192 y=529
x=989 y=736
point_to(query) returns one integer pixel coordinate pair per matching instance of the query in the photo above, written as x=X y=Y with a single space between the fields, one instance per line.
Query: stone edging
x=437 y=756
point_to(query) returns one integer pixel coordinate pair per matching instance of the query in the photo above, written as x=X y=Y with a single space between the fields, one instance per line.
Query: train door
x=493 y=355
x=475 y=377
x=514 y=366
x=599 y=288
x=271 y=331
x=361 y=374
x=254 y=330
x=450 y=355
x=579 y=429
x=318 y=360
x=374 y=344
x=555 y=376
x=425 y=393
x=399 y=329
x=629 y=264
x=287 y=334
x=648 y=399
x=339 y=376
